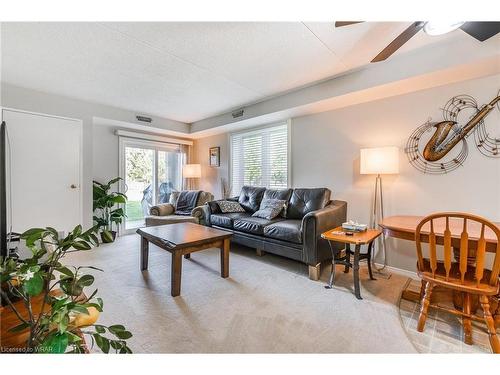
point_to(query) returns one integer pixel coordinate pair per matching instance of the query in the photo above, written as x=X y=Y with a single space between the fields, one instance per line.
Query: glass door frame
x=157 y=147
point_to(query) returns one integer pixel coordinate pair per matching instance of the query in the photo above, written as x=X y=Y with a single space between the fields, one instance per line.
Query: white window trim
x=230 y=136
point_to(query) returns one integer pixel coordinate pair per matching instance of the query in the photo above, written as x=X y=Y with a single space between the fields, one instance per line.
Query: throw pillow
x=270 y=208
x=227 y=207
x=174 y=196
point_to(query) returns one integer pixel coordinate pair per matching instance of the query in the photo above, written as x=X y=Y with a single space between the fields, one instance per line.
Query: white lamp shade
x=379 y=160
x=191 y=170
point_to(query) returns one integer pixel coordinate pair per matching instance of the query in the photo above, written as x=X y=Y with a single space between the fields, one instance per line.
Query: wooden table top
x=404 y=227
x=183 y=234
x=359 y=238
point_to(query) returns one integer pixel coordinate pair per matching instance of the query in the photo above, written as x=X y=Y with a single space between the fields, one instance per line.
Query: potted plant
x=106 y=212
x=53 y=313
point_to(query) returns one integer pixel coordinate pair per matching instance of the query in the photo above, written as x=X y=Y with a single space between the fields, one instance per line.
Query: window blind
x=260 y=158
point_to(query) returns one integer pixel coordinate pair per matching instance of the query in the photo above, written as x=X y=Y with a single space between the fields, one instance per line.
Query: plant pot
x=108 y=236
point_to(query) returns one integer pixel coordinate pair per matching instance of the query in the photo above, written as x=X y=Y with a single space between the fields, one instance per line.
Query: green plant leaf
x=69 y=288
x=116 y=328
x=99 y=329
x=107 y=236
x=55 y=343
x=63 y=323
x=54 y=233
x=77 y=231
x=92 y=268
x=85 y=280
x=33 y=286
x=124 y=335
x=102 y=342
x=105 y=345
x=19 y=327
x=117 y=212
x=65 y=271
x=81 y=309
x=118 y=199
x=111 y=182
x=31 y=232
x=30 y=241
x=60 y=302
x=95 y=240
x=81 y=245
x=92 y=295
x=116 y=344
x=95 y=305
x=72 y=338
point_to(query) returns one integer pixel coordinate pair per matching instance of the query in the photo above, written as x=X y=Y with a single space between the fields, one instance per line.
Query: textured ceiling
x=188 y=71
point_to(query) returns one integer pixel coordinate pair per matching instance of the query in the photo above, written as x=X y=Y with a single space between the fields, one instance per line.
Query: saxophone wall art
x=442 y=152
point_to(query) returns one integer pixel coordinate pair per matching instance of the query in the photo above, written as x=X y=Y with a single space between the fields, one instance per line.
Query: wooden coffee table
x=184 y=239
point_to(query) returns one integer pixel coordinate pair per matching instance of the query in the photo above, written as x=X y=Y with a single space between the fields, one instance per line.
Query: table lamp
x=378 y=161
x=189 y=172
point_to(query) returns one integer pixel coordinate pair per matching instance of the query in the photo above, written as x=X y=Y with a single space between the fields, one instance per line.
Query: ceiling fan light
x=440 y=28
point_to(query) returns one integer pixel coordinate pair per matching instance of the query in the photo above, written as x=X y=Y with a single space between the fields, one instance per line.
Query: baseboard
x=400 y=271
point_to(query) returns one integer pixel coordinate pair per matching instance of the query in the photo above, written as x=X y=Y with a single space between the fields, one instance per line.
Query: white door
x=45 y=170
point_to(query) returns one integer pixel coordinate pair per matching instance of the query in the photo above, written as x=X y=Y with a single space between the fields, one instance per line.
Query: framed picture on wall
x=214 y=157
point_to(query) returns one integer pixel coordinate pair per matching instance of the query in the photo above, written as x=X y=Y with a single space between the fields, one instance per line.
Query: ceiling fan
x=478 y=30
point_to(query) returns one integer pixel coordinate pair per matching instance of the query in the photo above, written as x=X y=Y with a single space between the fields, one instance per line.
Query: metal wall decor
x=462 y=117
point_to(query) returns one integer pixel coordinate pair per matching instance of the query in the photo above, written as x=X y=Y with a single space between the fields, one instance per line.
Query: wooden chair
x=467 y=274
x=496 y=316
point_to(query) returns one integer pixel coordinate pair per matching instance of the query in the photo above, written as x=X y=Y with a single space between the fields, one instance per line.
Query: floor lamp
x=379 y=161
x=190 y=172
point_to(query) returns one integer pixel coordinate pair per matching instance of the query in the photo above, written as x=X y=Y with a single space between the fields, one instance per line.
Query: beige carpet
x=267 y=305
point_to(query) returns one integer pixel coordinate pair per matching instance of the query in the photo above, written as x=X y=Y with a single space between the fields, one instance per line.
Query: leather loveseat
x=297 y=235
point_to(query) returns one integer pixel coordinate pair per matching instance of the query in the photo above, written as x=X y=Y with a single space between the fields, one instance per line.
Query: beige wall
x=211 y=176
x=325 y=152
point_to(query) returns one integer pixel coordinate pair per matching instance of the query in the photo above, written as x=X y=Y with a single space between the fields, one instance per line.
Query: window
x=260 y=158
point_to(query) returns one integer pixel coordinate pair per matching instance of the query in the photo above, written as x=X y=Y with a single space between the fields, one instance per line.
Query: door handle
x=73 y=186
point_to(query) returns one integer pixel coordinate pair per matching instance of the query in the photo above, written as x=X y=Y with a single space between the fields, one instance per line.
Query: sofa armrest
x=163 y=209
x=316 y=222
x=200 y=213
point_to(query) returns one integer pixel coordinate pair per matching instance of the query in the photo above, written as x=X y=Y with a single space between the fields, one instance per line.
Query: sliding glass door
x=151 y=172
x=138 y=178
x=169 y=174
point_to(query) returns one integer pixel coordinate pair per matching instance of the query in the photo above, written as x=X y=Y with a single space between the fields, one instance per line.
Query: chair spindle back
x=450 y=241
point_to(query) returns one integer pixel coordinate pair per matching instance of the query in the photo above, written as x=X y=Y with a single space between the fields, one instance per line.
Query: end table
x=357 y=239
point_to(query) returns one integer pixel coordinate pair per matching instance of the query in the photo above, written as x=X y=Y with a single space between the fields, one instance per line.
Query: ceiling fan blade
x=399 y=41
x=481 y=30
x=346 y=23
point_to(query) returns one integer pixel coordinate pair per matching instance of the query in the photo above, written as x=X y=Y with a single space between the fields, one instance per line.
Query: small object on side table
x=354 y=226
x=357 y=239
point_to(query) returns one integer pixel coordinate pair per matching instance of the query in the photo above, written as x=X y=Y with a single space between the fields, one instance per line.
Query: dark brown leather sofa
x=309 y=213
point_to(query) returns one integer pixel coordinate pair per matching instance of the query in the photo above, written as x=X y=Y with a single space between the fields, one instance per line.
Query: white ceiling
x=188 y=71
